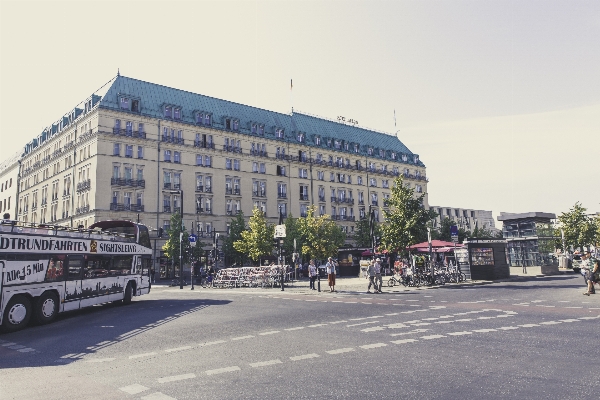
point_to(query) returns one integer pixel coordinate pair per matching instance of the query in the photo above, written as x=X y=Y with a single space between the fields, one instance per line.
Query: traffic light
x=376 y=241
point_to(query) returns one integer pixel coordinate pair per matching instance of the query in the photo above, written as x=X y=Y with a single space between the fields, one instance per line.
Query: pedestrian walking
x=378 y=280
x=152 y=275
x=312 y=274
x=591 y=273
x=330 y=268
x=371 y=276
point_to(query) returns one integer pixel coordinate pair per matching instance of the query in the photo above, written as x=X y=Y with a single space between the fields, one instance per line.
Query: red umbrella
x=434 y=244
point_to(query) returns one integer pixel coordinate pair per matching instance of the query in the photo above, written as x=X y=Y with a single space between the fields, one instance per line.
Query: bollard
x=282 y=278
x=318 y=280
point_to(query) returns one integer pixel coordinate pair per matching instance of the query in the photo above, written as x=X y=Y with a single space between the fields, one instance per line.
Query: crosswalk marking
x=432 y=337
x=528 y=325
x=178 y=349
x=508 y=328
x=459 y=333
x=269 y=333
x=404 y=341
x=304 y=357
x=265 y=363
x=175 y=378
x=339 y=351
x=222 y=370
x=134 y=389
x=158 y=396
x=242 y=337
x=484 y=330
x=142 y=355
x=373 y=346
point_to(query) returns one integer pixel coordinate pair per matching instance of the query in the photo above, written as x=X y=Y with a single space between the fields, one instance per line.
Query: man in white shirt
x=312 y=273
x=378 y=280
x=330 y=266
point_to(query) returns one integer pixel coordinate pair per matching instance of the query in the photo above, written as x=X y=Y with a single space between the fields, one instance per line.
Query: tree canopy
x=257 y=240
x=236 y=227
x=321 y=236
x=362 y=232
x=171 y=246
x=405 y=220
x=580 y=230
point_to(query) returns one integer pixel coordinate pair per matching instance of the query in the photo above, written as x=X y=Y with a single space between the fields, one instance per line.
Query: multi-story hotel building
x=135 y=149
x=9 y=176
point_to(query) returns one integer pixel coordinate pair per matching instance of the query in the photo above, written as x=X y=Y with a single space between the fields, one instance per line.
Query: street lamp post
x=180 y=192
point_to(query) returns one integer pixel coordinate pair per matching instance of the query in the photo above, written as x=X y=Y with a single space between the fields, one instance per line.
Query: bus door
x=144 y=267
x=73 y=290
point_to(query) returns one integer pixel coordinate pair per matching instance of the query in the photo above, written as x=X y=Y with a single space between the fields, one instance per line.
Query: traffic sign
x=279 y=231
x=453 y=230
x=193 y=238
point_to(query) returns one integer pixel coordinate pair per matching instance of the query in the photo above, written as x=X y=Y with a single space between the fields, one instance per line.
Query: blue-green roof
x=153 y=97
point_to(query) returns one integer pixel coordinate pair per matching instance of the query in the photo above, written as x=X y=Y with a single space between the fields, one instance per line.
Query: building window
x=302 y=173
x=385 y=183
x=300 y=137
x=199 y=159
x=128 y=151
x=124 y=103
x=140 y=174
x=261 y=130
x=254 y=166
x=207 y=121
x=281 y=170
x=282 y=190
x=279 y=134
x=177 y=113
x=117 y=149
x=168 y=112
x=167 y=157
x=373 y=182
x=263 y=168
x=418 y=188
x=304 y=192
x=140 y=152
x=129 y=128
x=318 y=140
x=228 y=163
x=370 y=151
x=236 y=165
x=321 y=175
x=331 y=177
x=208 y=161
x=177 y=157
x=208 y=184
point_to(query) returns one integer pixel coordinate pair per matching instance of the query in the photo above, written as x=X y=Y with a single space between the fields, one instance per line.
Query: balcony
x=126 y=182
x=334 y=199
x=84 y=185
x=174 y=140
x=236 y=191
x=361 y=201
x=321 y=198
x=282 y=195
x=125 y=207
x=204 y=145
x=228 y=191
x=128 y=132
x=82 y=210
x=259 y=193
x=303 y=197
x=199 y=210
x=167 y=185
x=166 y=209
x=208 y=189
x=375 y=203
x=199 y=188
x=229 y=212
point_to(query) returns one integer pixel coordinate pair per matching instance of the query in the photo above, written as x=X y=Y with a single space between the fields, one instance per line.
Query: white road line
x=430 y=319
x=351 y=302
x=142 y=355
x=294 y=329
x=550 y=323
x=422 y=324
x=158 y=396
x=364 y=302
x=569 y=320
x=404 y=341
x=459 y=333
x=432 y=337
x=392 y=314
x=26 y=350
x=269 y=333
x=338 y=322
x=265 y=363
x=134 y=389
x=212 y=343
x=178 y=349
x=362 y=323
x=373 y=346
x=304 y=357
x=444 y=322
x=242 y=337
x=336 y=301
x=316 y=325
x=485 y=317
x=575 y=307
x=222 y=370
x=356 y=319
x=16 y=347
x=8 y=344
x=484 y=330
x=528 y=325
x=175 y=378
x=99 y=360
x=464 y=320
x=339 y=351
x=589 y=317
x=508 y=328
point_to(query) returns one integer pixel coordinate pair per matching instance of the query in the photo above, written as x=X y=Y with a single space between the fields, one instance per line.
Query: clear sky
x=501 y=99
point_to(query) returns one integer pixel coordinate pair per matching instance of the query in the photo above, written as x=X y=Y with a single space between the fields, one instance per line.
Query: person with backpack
x=330 y=268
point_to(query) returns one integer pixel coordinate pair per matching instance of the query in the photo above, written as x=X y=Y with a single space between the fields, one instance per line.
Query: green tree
x=322 y=236
x=257 y=241
x=362 y=232
x=292 y=231
x=579 y=229
x=406 y=220
x=171 y=246
x=236 y=227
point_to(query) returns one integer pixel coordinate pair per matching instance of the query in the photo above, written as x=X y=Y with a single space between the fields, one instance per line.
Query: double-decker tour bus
x=51 y=269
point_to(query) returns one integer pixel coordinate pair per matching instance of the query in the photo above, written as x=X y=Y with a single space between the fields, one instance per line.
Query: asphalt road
x=535 y=339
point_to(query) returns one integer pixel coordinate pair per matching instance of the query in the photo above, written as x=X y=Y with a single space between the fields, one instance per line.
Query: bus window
x=122 y=265
x=74 y=267
x=97 y=266
x=146 y=266
x=144 y=236
x=54 y=272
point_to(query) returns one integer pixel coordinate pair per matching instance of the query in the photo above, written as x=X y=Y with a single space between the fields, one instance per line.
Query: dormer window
x=207 y=119
x=124 y=103
x=416 y=159
x=404 y=157
x=261 y=130
x=346 y=146
x=370 y=151
x=254 y=128
x=279 y=133
x=199 y=117
x=168 y=112
x=300 y=137
x=356 y=149
x=318 y=140
x=381 y=153
x=135 y=105
x=338 y=144
x=329 y=142
x=393 y=155
x=177 y=113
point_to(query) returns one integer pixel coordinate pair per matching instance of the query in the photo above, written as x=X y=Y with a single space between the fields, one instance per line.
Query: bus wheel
x=128 y=294
x=46 y=308
x=17 y=313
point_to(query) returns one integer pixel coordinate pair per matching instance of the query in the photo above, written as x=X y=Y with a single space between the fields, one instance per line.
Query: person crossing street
x=378 y=279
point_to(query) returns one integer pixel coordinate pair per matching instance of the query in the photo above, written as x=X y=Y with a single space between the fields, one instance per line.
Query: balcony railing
x=84 y=185
x=82 y=210
x=205 y=145
x=166 y=209
x=208 y=189
x=282 y=195
x=127 y=182
x=321 y=198
x=168 y=139
x=167 y=185
x=259 y=193
x=126 y=207
x=303 y=197
x=199 y=188
x=130 y=133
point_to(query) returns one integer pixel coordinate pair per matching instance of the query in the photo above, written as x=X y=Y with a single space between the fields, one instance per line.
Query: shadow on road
x=77 y=334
